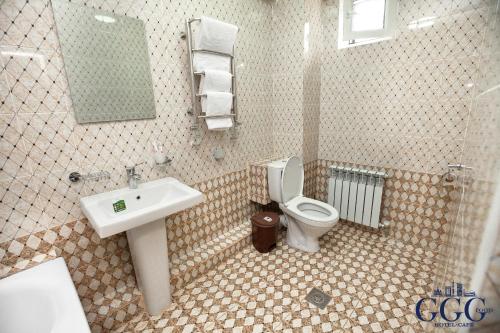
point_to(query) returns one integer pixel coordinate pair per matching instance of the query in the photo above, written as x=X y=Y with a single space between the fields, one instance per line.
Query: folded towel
x=215 y=80
x=216 y=36
x=217 y=103
x=204 y=61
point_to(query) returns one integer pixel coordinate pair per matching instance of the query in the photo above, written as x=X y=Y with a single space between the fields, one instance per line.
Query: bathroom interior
x=250 y=166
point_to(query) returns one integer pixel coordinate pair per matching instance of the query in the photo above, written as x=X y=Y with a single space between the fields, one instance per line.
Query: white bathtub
x=41 y=299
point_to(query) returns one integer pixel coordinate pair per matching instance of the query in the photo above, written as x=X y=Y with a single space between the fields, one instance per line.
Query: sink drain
x=318 y=298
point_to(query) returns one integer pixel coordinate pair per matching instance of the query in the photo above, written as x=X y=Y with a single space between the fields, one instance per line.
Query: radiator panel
x=377 y=202
x=331 y=189
x=360 y=199
x=351 y=209
x=367 y=207
x=345 y=196
x=356 y=194
x=338 y=193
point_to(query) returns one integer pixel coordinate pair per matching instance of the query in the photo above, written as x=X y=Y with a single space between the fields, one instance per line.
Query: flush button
x=268 y=219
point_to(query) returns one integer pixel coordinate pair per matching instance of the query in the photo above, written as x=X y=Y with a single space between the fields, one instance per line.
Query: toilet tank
x=274 y=172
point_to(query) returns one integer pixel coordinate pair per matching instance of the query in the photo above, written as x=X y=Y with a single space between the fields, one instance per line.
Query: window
x=366 y=21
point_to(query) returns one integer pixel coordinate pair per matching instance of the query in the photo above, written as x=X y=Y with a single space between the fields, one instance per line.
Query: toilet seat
x=306 y=219
x=311 y=212
x=292 y=179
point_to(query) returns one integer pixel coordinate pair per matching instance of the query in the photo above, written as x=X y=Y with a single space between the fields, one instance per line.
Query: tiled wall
x=258 y=189
x=205 y=234
x=288 y=77
x=310 y=179
x=312 y=79
x=296 y=69
x=402 y=105
x=102 y=270
x=257 y=183
x=472 y=208
x=41 y=143
x=415 y=205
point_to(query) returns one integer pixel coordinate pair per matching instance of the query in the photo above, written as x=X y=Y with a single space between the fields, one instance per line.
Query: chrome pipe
x=205 y=95
x=203 y=73
x=459 y=167
x=213 y=52
x=191 y=69
x=233 y=90
x=218 y=115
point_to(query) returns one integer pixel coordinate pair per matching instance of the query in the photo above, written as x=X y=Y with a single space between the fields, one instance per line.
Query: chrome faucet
x=133 y=177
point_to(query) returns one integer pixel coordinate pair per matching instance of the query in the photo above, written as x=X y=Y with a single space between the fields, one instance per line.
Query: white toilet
x=306 y=219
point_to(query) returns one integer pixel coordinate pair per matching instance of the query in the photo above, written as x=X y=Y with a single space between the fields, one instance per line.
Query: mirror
x=107 y=63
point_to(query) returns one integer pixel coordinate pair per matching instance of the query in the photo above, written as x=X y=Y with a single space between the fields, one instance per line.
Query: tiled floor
x=374 y=281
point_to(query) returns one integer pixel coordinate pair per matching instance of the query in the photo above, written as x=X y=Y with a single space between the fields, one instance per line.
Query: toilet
x=306 y=219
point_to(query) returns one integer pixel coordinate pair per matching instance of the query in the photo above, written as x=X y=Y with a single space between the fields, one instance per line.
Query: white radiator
x=356 y=194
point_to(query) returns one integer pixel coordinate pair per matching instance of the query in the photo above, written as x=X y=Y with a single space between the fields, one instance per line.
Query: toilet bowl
x=307 y=219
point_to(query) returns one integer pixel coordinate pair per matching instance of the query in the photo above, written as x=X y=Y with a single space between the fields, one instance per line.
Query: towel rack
x=217 y=115
x=213 y=52
x=205 y=95
x=203 y=73
x=195 y=110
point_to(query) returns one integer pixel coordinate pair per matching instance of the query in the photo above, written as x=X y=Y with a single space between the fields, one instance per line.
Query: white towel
x=216 y=103
x=204 y=61
x=216 y=36
x=214 y=80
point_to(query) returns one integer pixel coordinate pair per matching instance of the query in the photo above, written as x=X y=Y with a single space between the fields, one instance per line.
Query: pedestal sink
x=141 y=213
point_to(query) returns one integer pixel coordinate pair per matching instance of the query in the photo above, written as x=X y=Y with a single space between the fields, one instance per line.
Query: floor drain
x=318 y=298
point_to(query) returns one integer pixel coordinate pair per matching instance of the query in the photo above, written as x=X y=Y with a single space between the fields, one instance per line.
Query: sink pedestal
x=142 y=215
x=148 y=247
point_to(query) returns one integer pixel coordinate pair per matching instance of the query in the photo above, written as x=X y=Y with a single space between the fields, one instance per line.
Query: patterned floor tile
x=344 y=284
x=374 y=284
x=253 y=315
x=173 y=319
x=208 y=294
x=334 y=317
x=406 y=269
x=391 y=296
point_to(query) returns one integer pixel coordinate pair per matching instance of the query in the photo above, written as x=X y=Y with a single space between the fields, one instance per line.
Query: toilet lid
x=292 y=180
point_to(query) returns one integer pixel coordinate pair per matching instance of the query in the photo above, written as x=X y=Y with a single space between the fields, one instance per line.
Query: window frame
x=349 y=38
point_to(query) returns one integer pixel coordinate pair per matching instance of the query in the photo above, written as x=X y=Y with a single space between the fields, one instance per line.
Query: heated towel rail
x=195 y=109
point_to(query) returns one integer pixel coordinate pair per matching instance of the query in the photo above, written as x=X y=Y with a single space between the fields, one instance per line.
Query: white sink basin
x=41 y=299
x=149 y=202
x=141 y=213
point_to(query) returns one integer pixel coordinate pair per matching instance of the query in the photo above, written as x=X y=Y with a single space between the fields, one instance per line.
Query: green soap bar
x=119 y=206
